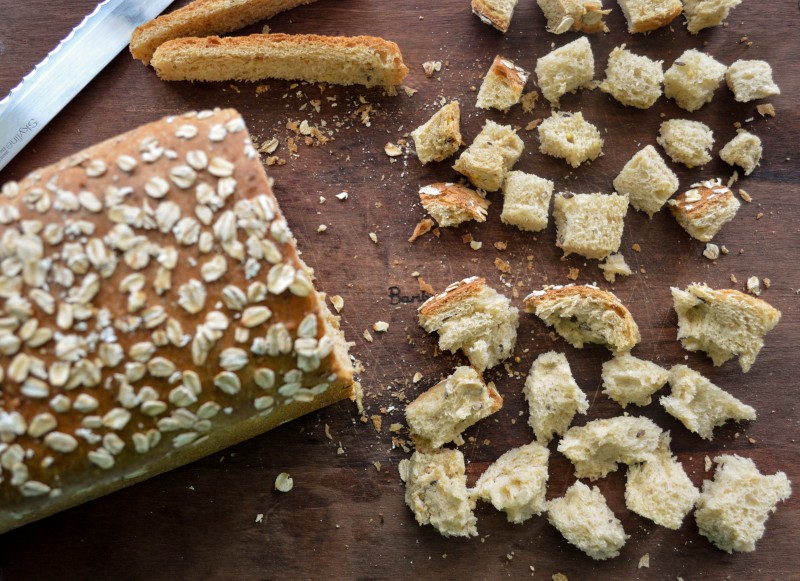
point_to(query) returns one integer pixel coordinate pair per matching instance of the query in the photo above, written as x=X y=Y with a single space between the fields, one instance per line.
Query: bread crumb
x=409 y=91
x=269 y=146
x=766 y=109
x=759 y=215
x=392 y=149
x=338 y=303
x=560 y=577
x=532 y=125
x=502 y=265
x=328 y=432
x=573 y=273
x=322 y=228
x=711 y=252
x=260 y=517
x=377 y=465
x=425 y=287
x=501 y=245
x=431 y=67
x=380 y=327
x=734 y=279
x=708 y=463
x=644 y=561
x=636 y=248
x=343 y=196
x=767 y=282
x=262 y=89
x=373 y=237
x=367 y=336
x=423 y=227
x=745 y=196
x=528 y=101
x=417 y=377
x=377 y=421
x=284 y=482
x=475 y=245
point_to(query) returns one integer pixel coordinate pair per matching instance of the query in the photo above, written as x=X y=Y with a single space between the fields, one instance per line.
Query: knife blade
x=68 y=68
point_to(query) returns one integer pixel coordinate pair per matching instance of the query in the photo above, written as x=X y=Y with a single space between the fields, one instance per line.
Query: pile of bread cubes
x=471 y=317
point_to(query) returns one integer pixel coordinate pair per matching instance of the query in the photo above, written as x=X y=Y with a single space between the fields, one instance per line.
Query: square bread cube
x=644 y=15
x=633 y=79
x=647 y=181
x=497 y=13
x=491 y=156
x=687 y=142
x=570 y=137
x=452 y=204
x=705 y=209
x=526 y=201
x=440 y=136
x=589 y=224
x=743 y=150
x=502 y=86
x=565 y=70
x=576 y=15
x=750 y=80
x=692 y=79
x=702 y=14
x=630 y=380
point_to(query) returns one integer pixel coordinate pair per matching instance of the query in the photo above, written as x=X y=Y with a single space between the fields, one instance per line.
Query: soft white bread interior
x=565 y=70
x=645 y=15
x=491 y=156
x=576 y=15
x=743 y=150
x=704 y=209
x=526 y=201
x=440 y=136
x=502 y=86
x=589 y=224
x=614 y=266
x=702 y=14
x=630 y=380
x=647 y=181
x=496 y=13
x=570 y=137
x=692 y=79
x=452 y=204
x=750 y=80
x=686 y=141
x=633 y=79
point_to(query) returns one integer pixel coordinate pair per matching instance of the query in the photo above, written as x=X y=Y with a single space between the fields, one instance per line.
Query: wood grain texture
x=345 y=518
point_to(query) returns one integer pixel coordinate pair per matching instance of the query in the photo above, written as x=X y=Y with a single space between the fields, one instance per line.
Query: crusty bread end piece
x=589 y=224
x=633 y=79
x=497 y=13
x=702 y=14
x=452 y=204
x=526 y=201
x=565 y=70
x=692 y=79
x=502 y=86
x=743 y=150
x=703 y=210
x=686 y=141
x=750 y=80
x=646 y=15
x=630 y=380
x=647 y=181
x=576 y=15
x=491 y=156
x=440 y=136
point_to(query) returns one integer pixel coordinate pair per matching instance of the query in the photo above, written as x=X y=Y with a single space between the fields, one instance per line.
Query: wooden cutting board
x=221 y=518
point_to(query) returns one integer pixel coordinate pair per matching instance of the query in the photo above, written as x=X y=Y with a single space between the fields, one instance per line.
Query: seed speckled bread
x=576 y=15
x=160 y=286
x=702 y=14
x=704 y=209
x=553 y=396
x=645 y=15
x=502 y=86
x=497 y=13
x=440 y=136
x=452 y=204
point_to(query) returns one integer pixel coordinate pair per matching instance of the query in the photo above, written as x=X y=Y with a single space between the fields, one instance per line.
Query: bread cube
x=553 y=396
x=692 y=79
x=565 y=70
x=644 y=15
x=495 y=13
x=633 y=79
x=576 y=15
x=570 y=137
x=440 y=136
x=743 y=150
x=750 y=80
x=630 y=380
x=526 y=201
x=702 y=14
x=491 y=156
x=583 y=517
x=589 y=224
x=734 y=507
x=647 y=181
x=687 y=142
x=502 y=86
x=614 y=266
x=452 y=204
x=703 y=210
x=516 y=482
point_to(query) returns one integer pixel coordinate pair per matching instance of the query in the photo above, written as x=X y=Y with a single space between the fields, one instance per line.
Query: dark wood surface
x=345 y=517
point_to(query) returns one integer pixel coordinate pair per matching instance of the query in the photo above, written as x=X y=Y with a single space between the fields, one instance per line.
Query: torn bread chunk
x=692 y=79
x=440 y=136
x=452 y=204
x=516 y=482
x=436 y=492
x=589 y=224
x=733 y=509
x=491 y=156
x=553 y=396
x=750 y=80
x=687 y=142
x=526 y=201
x=659 y=489
x=502 y=86
x=646 y=15
x=743 y=150
x=582 y=515
x=700 y=405
x=496 y=13
x=575 y=15
x=647 y=181
x=615 y=266
x=475 y=318
x=598 y=447
x=632 y=79
x=702 y=14
x=565 y=70
x=630 y=380
x=703 y=210
x=585 y=314
x=442 y=413
x=570 y=137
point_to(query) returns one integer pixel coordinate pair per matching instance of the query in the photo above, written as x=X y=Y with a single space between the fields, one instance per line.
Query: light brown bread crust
x=454 y=293
x=492 y=13
x=635 y=11
x=451 y=204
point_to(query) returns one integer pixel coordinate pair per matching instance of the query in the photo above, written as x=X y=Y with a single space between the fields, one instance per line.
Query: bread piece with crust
x=491 y=156
x=702 y=14
x=743 y=150
x=496 y=13
x=589 y=224
x=647 y=181
x=692 y=79
x=502 y=86
x=646 y=15
x=750 y=80
x=565 y=70
x=452 y=204
x=442 y=413
x=440 y=136
x=703 y=210
x=633 y=79
x=630 y=380
x=473 y=317
x=585 y=314
x=526 y=201
x=576 y=15
x=687 y=142
x=570 y=137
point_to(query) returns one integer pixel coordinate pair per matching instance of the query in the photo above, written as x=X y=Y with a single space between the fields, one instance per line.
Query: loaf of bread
x=702 y=14
x=565 y=70
x=159 y=312
x=633 y=79
x=340 y=60
x=553 y=396
x=204 y=18
x=440 y=136
x=692 y=79
x=704 y=209
x=576 y=15
x=647 y=181
x=491 y=156
x=645 y=15
x=497 y=13
x=630 y=380
x=589 y=224
x=686 y=141
x=526 y=201
x=452 y=204
x=570 y=137
x=743 y=150
x=502 y=86
x=750 y=80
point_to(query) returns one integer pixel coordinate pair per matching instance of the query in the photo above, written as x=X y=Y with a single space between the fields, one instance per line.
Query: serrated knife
x=68 y=68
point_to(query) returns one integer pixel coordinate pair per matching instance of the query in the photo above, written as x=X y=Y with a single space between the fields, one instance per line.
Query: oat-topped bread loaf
x=155 y=311
x=497 y=13
x=340 y=60
x=204 y=18
x=585 y=314
x=576 y=15
x=452 y=204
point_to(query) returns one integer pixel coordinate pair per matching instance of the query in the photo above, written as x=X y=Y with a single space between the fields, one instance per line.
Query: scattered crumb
x=759 y=215
x=475 y=245
x=322 y=228
x=766 y=109
x=380 y=327
x=636 y=247
x=573 y=273
x=615 y=265
x=532 y=125
x=328 y=432
x=373 y=237
x=745 y=196
x=424 y=286
x=711 y=252
x=269 y=146
x=708 y=463
x=409 y=91
x=262 y=89
x=767 y=282
x=417 y=377
x=425 y=225
x=502 y=265
x=528 y=101
x=560 y=577
x=337 y=302
x=260 y=517
x=284 y=482
x=367 y=336
x=645 y=561
x=342 y=196
x=501 y=245
x=431 y=67
x=377 y=421
x=392 y=150
x=754 y=285
x=733 y=179
x=734 y=279
x=377 y=465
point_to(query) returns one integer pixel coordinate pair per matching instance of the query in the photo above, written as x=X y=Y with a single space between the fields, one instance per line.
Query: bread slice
x=440 y=136
x=633 y=79
x=340 y=60
x=659 y=488
x=724 y=323
x=702 y=14
x=645 y=15
x=703 y=210
x=589 y=224
x=647 y=181
x=204 y=18
x=491 y=156
x=497 y=13
x=598 y=447
x=436 y=492
x=570 y=137
x=442 y=413
x=630 y=380
x=452 y=204
x=475 y=318
x=743 y=150
x=734 y=507
x=585 y=314
x=750 y=80
x=583 y=517
x=700 y=405
x=614 y=266
x=526 y=201
x=516 y=482
x=576 y=15
x=692 y=79
x=565 y=70
x=502 y=86
x=553 y=396
x=687 y=142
